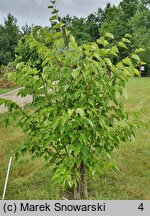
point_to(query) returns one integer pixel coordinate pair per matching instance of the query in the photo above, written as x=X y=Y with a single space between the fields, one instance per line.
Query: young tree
x=77 y=118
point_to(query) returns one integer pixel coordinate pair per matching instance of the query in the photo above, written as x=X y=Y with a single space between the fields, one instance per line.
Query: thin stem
x=57 y=151
x=66 y=151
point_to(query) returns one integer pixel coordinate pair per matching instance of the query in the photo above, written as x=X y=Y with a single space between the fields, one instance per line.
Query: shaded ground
x=12 y=95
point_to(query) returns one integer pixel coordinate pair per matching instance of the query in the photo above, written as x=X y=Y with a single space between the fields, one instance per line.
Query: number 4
x=141 y=207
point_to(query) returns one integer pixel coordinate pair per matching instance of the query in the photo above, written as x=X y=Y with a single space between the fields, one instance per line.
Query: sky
x=36 y=11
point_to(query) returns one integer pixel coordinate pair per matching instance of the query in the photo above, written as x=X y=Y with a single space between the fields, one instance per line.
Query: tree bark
x=77 y=192
x=80 y=191
x=84 y=192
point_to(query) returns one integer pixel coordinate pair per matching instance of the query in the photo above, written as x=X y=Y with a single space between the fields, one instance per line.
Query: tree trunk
x=77 y=192
x=80 y=191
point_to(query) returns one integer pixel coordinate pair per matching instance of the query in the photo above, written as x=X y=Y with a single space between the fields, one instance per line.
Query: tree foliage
x=9 y=36
x=85 y=29
x=129 y=17
x=26 y=29
x=126 y=18
x=140 y=25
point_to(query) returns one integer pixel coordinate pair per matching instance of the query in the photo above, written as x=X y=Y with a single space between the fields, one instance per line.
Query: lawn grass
x=28 y=179
x=31 y=179
x=5 y=90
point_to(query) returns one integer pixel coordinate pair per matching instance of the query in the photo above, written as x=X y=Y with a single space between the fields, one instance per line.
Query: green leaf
x=48 y=39
x=59 y=43
x=73 y=46
x=128 y=35
x=80 y=111
x=102 y=41
x=77 y=150
x=142 y=63
x=125 y=40
x=127 y=61
x=70 y=112
x=34 y=44
x=53 y=18
x=97 y=56
x=20 y=65
x=55 y=11
x=70 y=148
x=139 y=50
x=88 y=121
x=109 y=35
x=108 y=62
x=136 y=72
x=57 y=35
x=120 y=65
x=72 y=39
x=127 y=73
x=58 y=25
x=113 y=53
x=56 y=123
x=115 y=49
x=64 y=120
x=121 y=44
x=50 y=6
x=102 y=52
x=136 y=57
x=108 y=155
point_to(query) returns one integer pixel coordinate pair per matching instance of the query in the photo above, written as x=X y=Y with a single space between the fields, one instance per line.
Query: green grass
x=5 y=90
x=138 y=90
x=31 y=179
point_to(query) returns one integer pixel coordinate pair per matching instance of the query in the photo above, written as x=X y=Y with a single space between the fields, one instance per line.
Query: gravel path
x=12 y=95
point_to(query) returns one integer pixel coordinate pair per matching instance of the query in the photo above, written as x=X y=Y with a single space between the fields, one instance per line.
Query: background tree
x=112 y=22
x=129 y=8
x=67 y=20
x=92 y=27
x=85 y=29
x=78 y=29
x=9 y=36
x=26 y=29
x=129 y=17
x=5 y=54
x=140 y=25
